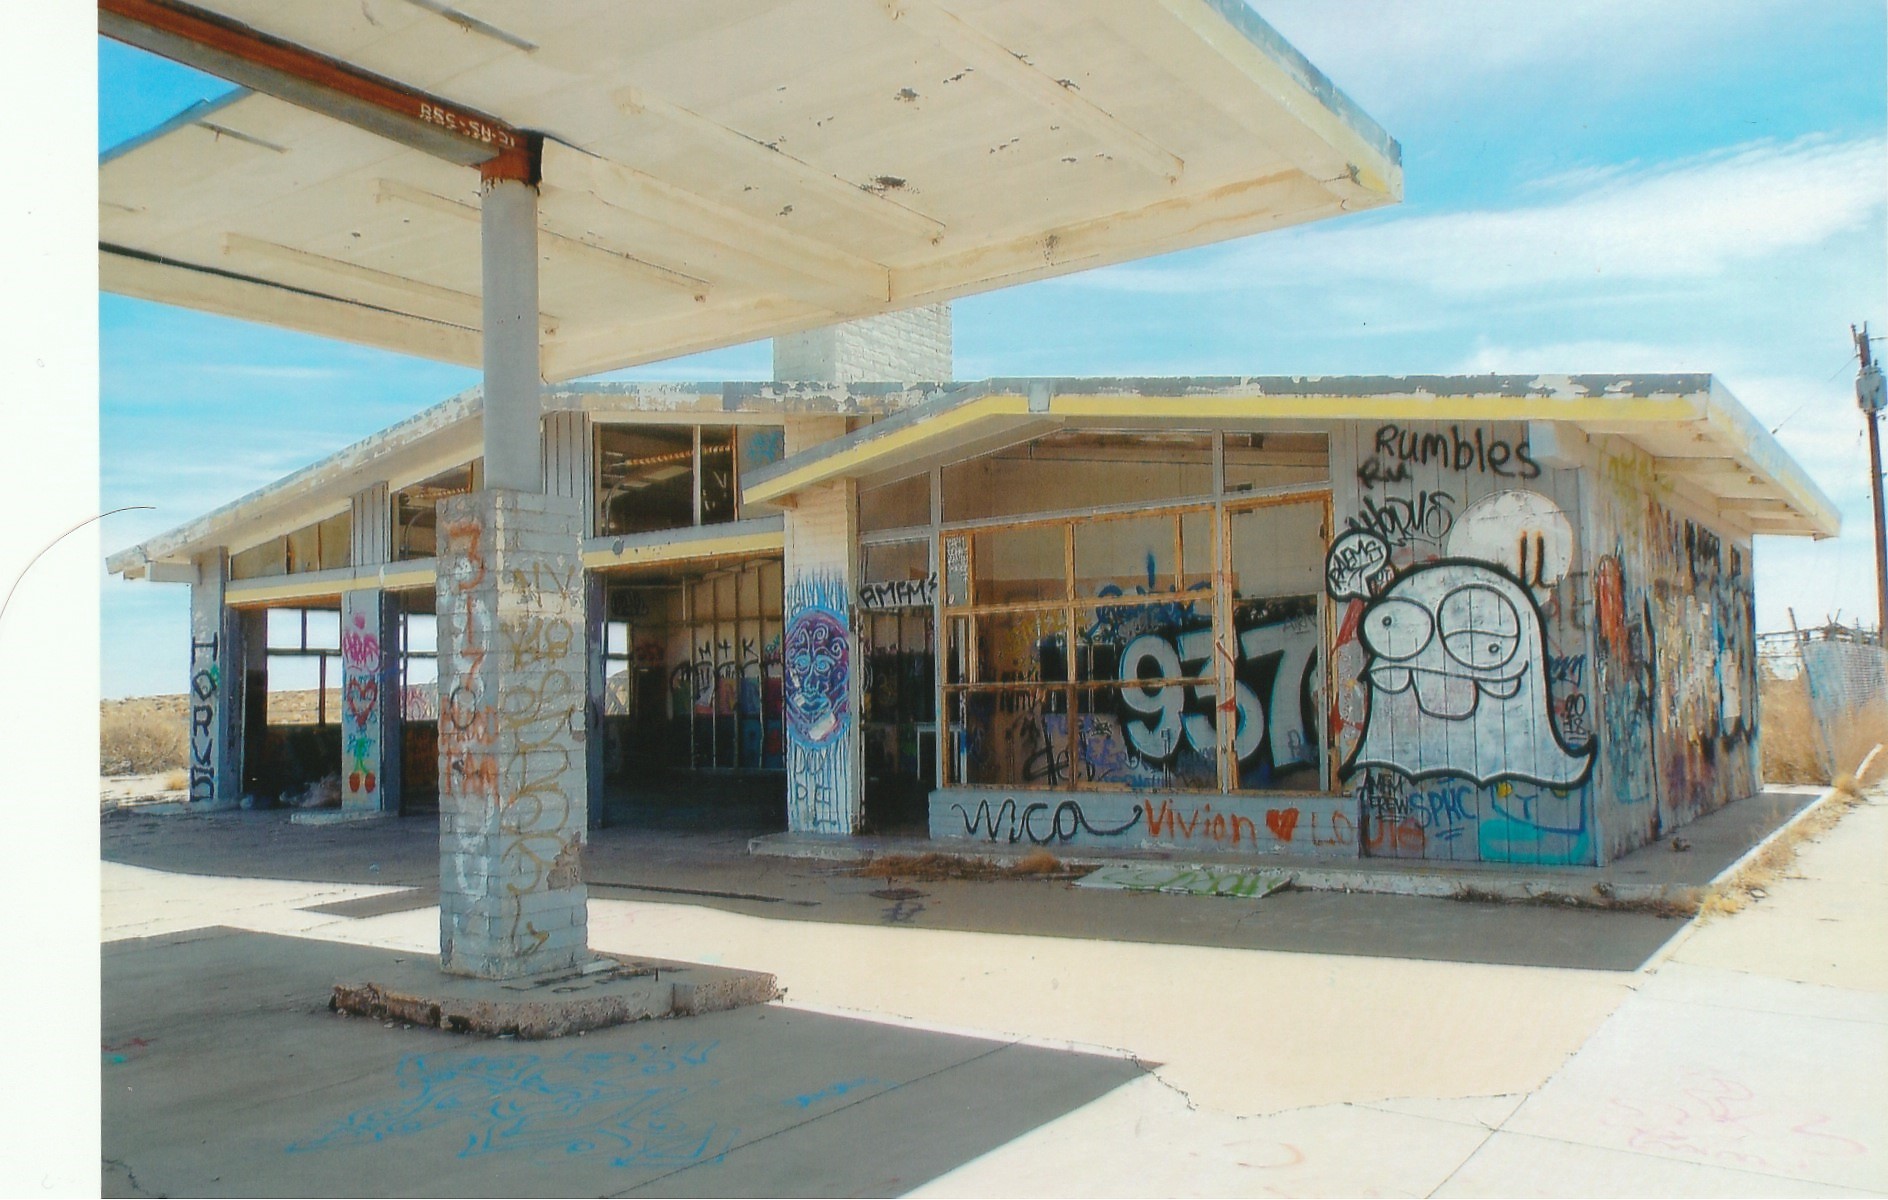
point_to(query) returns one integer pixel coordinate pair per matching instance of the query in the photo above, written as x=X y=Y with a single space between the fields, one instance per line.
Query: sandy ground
x=1743 y=1060
x=127 y=791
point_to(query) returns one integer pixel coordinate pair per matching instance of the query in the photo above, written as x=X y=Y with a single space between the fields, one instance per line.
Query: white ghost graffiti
x=1458 y=681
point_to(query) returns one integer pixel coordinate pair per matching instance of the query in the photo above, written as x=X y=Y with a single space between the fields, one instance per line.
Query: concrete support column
x=216 y=687
x=513 y=765
x=825 y=782
x=513 y=377
x=595 y=693
x=370 y=701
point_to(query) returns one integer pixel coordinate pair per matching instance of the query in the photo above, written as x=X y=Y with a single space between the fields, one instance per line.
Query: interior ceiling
x=725 y=170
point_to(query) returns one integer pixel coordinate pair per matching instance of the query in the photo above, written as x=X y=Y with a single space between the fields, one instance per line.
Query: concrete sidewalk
x=1752 y=1060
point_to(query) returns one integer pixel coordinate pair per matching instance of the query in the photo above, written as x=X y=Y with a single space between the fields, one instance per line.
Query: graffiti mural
x=1458 y=703
x=361 y=724
x=1397 y=450
x=816 y=663
x=1457 y=666
x=898 y=593
x=1309 y=825
x=1675 y=658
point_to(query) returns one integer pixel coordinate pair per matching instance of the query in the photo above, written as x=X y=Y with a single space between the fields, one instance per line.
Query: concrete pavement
x=1750 y=1061
x=1744 y=1058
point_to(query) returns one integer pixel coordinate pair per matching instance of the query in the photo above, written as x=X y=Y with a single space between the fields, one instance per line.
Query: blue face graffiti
x=816 y=669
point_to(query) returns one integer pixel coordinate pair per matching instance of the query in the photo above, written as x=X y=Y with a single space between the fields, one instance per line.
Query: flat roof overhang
x=447 y=435
x=727 y=170
x=1704 y=444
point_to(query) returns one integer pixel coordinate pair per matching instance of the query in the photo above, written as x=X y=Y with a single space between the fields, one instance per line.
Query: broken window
x=654 y=477
x=320 y=546
x=416 y=509
x=1092 y=652
x=692 y=673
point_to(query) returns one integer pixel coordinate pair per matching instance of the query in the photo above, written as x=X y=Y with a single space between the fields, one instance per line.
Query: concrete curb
x=1463 y=882
x=338 y=816
x=1726 y=878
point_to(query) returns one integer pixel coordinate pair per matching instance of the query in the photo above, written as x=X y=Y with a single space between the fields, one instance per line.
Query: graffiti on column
x=817 y=667
x=204 y=679
x=540 y=718
x=467 y=723
x=1450 y=707
x=360 y=703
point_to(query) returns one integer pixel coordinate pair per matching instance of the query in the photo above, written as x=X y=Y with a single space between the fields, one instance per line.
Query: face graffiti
x=1456 y=664
x=816 y=667
x=1449 y=660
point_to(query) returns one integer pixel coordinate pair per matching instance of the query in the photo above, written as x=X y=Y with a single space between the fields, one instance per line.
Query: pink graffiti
x=360 y=649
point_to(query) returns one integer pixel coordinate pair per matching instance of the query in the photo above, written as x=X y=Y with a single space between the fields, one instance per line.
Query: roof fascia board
x=1616 y=403
x=321 y=585
x=1280 y=70
x=912 y=427
x=1756 y=449
x=755 y=535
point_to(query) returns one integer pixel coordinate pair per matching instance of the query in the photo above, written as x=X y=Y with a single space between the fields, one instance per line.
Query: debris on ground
x=1190 y=881
x=1038 y=864
x=322 y=793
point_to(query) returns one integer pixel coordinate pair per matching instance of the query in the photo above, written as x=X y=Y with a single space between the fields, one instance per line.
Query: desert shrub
x=142 y=737
x=1792 y=746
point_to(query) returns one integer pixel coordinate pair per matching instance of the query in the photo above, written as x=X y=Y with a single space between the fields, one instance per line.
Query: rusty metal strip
x=214 y=43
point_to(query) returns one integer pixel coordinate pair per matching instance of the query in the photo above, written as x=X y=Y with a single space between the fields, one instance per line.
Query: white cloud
x=1694 y=220
x=1598 y=356
x=1394 y=57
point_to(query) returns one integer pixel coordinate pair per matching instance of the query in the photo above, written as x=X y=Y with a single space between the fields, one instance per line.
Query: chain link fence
x=1825 y=701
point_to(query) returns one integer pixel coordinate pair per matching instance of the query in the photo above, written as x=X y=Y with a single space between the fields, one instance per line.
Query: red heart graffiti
x=1283 y=822
x=363 y=692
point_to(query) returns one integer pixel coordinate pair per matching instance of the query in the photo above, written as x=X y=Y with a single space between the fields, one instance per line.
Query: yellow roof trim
x=320 y=585
x=763 y=542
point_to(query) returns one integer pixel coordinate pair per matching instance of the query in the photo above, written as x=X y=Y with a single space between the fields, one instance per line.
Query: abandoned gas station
x=1504 y=619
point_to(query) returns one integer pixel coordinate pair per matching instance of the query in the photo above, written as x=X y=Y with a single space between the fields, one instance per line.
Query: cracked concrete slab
x=1742 y=1060
x=230 y=1078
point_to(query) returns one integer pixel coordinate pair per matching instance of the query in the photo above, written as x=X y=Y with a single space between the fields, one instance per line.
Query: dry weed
x=1796 y=748
x=142 y=736
x=1754 y=880
x=1037 y=864
x=1791 y=744
x=176 y=781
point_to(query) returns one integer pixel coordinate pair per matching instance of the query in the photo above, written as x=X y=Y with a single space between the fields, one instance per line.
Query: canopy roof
x=1704 y=444
x=725 y=170
x=1705 y=447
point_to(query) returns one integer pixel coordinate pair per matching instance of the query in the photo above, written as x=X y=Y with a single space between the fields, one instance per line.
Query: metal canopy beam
x=229 y=49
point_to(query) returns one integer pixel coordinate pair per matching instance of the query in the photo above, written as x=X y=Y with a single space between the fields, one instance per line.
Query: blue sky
x=1613 y=185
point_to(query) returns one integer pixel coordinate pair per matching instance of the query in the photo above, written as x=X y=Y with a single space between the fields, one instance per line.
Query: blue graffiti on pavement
x=618 y=1103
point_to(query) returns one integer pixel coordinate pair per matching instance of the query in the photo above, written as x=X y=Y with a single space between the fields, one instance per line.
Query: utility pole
x=1870 y=394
